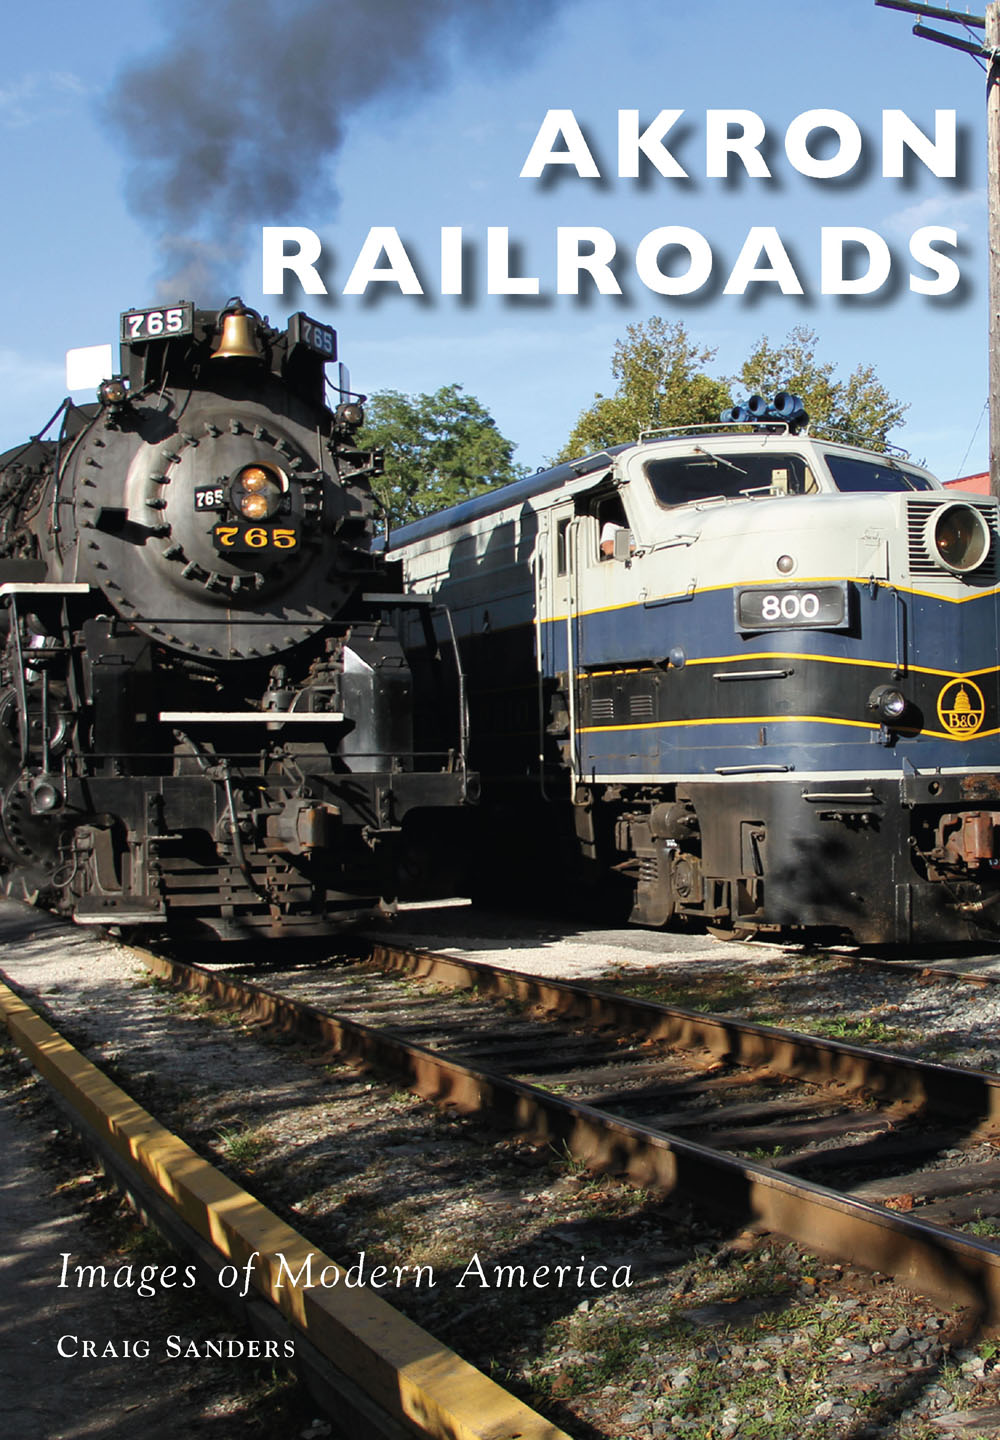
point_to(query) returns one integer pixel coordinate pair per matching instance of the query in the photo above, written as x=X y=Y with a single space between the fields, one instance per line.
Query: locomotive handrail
x=775 y=426
x=678 y=599
x=753 y=769
x=753 y=674
x=900 y=629
x=61 y=461
x=572 y=600
x=720 y=427
x=20 y=681
x=463 y=704
x=847 y=797
x=671 y=542
x=537 y=561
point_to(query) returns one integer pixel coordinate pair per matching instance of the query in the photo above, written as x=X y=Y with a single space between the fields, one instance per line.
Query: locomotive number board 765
x=157 y=324
x=793 y=607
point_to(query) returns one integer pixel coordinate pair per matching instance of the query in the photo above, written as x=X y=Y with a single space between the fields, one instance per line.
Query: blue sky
x=447 y=151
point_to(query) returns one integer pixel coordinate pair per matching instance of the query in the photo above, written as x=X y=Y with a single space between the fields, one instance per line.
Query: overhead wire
x=986 y=406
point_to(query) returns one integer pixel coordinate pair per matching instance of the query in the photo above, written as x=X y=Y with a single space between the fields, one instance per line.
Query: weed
x=241 y=1145
x=143 y=1243
x=866 y=1029
x=231 y=1019
x=761 y=1152
x=564 y=1156
x=987 y=1228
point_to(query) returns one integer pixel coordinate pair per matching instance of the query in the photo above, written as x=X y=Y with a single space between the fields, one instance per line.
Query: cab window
x=562 y=544
x=688 y=479
x=610 y=513
x=853 y=475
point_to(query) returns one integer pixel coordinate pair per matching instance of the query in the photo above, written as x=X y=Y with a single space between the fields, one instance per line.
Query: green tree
x=858 y=409
x=660 y=382
x=439 y=449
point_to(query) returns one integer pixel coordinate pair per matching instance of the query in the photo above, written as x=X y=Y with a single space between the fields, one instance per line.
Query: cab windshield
x=852 y=474
x=704 y=475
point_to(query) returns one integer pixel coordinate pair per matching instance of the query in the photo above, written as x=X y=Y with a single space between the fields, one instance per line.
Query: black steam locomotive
x=206 y=716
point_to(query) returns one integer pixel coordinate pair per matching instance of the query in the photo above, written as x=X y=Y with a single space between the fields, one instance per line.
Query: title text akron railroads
x=671 y=260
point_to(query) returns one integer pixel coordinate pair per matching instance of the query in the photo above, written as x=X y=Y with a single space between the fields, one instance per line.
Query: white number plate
x=793 y=607
x=157 y=324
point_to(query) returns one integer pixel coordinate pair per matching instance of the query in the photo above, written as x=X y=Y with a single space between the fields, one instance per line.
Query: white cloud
x=36 y=96
x=959 y=211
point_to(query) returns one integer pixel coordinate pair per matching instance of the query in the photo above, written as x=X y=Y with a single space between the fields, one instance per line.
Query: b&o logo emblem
x=961 y=707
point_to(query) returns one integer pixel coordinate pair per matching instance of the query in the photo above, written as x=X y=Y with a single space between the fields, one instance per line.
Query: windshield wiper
x=700 y=450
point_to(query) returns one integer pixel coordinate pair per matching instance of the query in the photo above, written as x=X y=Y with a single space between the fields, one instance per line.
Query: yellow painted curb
x=402 y=1367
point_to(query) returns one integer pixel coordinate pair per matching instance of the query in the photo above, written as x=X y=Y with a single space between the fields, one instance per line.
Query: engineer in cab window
x=609 y=530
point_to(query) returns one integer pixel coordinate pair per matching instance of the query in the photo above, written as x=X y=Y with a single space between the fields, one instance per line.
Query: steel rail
x=393 y=1377
x=880 y=1073
x=958 y=1269
x=923 y=969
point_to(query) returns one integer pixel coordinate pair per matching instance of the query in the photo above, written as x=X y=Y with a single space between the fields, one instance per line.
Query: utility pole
x=988 y=55
x=993 y=205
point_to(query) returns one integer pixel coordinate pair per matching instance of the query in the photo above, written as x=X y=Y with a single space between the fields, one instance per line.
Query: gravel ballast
x=718 y=1335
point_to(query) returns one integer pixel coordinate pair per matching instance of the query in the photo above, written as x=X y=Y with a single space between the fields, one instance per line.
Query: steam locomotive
x=748 y=673
x=206 y=715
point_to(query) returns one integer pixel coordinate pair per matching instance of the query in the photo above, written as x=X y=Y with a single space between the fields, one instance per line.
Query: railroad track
x=981 y=970
x=872 y=1157
x=372 y=1369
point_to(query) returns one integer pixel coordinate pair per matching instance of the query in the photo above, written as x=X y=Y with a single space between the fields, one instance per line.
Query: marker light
x=112 y=392
x=256 y=491
x=957 y=538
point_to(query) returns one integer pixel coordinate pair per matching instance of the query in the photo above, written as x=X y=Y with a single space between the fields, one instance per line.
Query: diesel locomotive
x=206 y=715
x=751 y=673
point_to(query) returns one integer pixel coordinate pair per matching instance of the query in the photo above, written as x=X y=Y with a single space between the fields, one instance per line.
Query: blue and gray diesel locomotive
x=206 y=716
x=753 y=672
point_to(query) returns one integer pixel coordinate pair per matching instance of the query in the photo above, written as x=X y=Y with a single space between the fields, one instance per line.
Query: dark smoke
x=238 y=121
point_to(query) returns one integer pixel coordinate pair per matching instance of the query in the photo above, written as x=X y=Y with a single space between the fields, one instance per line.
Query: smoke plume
x=238 y=120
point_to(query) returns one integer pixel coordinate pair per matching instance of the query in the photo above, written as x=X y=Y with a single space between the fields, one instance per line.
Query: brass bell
x=239 y=337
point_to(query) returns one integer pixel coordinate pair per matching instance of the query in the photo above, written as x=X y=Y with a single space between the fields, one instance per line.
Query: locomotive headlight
x=256 y=491
x=888 y=703
x=957 y=538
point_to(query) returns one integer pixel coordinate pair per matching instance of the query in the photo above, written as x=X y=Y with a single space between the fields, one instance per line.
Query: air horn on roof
x=785 y=406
